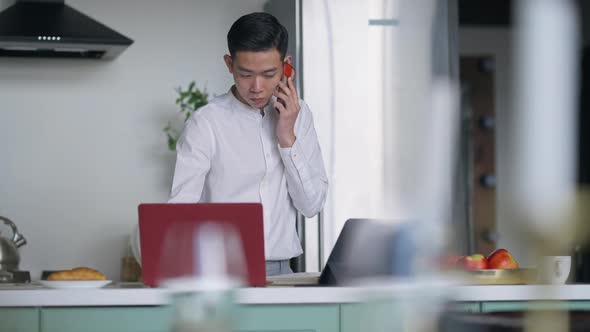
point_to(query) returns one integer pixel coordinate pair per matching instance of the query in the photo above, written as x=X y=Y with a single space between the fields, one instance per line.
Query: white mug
x=554 y=269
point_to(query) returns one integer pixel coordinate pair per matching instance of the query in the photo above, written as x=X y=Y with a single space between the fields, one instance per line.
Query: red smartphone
x=288 y=71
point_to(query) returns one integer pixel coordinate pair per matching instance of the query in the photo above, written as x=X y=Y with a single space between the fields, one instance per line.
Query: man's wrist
x=287 y=142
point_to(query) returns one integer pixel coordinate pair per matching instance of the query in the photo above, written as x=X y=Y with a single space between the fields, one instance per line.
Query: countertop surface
x=136 y=295
x=33 y=295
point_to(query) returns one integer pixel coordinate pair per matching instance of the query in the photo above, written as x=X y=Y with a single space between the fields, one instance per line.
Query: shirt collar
x=247 y=109
x=241 y=107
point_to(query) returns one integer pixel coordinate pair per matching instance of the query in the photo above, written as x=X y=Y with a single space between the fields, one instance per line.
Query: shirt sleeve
x=307 y=182
x=194 y=151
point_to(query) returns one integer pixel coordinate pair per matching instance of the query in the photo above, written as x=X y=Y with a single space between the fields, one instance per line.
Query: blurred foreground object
x=542 y=173
x=204 y=301
x=542 y=176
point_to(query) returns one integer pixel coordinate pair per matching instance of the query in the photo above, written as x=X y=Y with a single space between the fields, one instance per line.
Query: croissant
x=79 y=273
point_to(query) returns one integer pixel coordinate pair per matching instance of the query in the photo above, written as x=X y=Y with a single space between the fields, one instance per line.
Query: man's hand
x=288 y=106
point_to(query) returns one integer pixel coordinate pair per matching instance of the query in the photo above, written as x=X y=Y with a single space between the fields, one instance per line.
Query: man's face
x=256 y=75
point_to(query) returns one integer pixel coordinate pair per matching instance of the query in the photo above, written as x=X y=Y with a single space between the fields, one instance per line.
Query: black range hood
x=50 y=28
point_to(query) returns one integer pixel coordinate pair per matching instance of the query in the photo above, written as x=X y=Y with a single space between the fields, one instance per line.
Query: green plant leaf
x=192 y=99
x=189 y=101
x=172 y=143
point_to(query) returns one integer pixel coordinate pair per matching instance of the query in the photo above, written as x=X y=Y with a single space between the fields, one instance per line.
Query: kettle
x=9 y=256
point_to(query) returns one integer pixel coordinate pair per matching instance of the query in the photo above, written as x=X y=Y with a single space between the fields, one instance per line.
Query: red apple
x=502 y=259
x=474 y=262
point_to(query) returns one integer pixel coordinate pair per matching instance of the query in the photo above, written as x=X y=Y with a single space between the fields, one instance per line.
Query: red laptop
x=166 y=236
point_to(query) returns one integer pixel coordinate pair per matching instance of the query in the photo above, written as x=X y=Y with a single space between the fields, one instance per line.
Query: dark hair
x=257 y=32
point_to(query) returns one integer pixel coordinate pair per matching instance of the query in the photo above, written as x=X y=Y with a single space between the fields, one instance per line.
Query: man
x=256 y=143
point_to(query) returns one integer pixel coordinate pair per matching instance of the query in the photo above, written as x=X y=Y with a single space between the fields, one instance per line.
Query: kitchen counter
x=135 y=295
x=384 y=306
x=578 y=292
x=124 y=296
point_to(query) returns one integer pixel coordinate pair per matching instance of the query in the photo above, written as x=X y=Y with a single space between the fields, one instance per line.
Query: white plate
x=73 y=284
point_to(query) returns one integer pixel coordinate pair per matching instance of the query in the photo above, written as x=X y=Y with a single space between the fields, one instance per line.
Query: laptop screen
x=170 y=244
x=363 y=249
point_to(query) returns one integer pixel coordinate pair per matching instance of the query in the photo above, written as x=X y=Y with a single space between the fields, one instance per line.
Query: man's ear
x=288 y=59
x=229 y=63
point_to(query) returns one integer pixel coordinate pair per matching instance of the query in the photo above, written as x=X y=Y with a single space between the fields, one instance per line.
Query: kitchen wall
x=81 y=142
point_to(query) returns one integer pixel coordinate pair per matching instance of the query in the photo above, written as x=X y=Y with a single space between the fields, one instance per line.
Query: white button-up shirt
x=229 y=152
